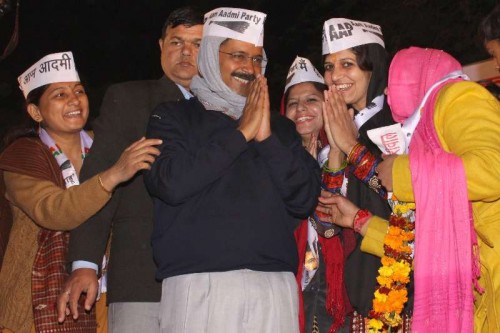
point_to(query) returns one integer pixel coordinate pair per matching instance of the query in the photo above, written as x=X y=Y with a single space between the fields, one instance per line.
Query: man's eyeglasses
x=242 y=58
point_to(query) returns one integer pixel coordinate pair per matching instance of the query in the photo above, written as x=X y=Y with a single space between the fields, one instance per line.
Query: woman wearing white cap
x=448 y=173
x=38 y=174
x=356 y=67
x=322 y=246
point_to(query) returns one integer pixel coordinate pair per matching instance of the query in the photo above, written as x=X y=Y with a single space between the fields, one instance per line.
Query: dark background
x=116 y=40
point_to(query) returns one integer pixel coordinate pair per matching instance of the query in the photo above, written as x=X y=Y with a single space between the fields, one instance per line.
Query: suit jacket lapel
x=166 y=90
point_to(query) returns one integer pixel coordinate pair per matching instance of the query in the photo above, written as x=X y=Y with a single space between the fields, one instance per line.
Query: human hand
x=253 y=112
x=312 y=147
x=334 y=149
x=338 y=120
x=335 y=158
x=384 y=171
x=339 y=209
x=81 y=281
x=138 y=156
x=265 y=125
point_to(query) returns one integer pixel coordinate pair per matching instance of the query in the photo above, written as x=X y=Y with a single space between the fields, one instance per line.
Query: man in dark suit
x=133 y=294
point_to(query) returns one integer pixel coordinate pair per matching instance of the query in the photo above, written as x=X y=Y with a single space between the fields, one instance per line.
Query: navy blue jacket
x=221 y=203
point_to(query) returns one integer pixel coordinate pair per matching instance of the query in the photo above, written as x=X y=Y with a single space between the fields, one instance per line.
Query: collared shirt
x=187 y=94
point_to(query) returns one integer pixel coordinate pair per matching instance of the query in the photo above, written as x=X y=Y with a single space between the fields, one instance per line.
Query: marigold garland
x=394 y=274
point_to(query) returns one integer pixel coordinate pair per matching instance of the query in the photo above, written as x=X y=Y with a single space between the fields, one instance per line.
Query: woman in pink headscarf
x=452 y=173
x=454 y=170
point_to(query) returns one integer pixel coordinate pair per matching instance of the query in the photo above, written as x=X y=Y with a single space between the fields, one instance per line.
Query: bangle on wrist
x=335 y=170
x=353 y=152
x=99 y=179
x=360 y=219
x=331 y=183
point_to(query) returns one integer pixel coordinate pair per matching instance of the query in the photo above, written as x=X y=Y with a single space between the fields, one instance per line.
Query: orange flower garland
x=394 y=274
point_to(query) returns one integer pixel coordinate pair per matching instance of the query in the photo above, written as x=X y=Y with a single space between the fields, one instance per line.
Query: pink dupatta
x=444 y=234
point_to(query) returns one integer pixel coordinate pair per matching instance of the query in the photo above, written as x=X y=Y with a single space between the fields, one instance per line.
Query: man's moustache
x=244 y=76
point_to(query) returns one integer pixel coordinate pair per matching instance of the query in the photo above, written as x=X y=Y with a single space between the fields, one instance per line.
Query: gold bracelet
x=352 y=152
x=102 y=185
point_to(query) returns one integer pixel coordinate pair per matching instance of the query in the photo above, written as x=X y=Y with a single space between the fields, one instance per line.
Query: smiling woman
x=324 y=305
x=356 y=67
x=62 y=110
x=39 y=177
x=343 y=71
x=304 y=108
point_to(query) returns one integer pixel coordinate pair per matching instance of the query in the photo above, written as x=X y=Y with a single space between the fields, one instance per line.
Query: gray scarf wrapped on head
x=208 y=87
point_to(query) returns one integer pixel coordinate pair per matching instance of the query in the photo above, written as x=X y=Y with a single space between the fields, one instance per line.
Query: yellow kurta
x=467 y=121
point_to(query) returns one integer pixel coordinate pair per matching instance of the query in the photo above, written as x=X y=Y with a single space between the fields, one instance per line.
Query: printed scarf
x=49 y=275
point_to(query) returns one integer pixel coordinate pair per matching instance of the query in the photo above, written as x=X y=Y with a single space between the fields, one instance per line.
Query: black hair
x=35 y=95
x=373 y=58
x=319 y=87
x=489 y=28
x=187 y=16
x=28 y=127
